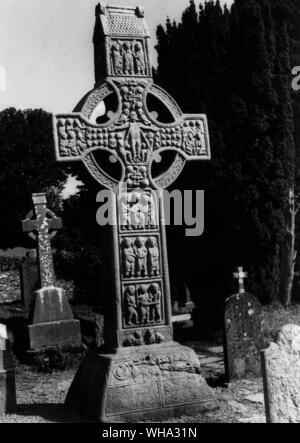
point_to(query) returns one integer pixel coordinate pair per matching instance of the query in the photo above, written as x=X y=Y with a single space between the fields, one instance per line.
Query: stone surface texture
x=281 y=373
x=153 y=381
x=9 y=286
x=243 y=336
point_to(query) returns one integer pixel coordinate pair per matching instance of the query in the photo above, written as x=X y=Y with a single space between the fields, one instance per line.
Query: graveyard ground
x=40 y=396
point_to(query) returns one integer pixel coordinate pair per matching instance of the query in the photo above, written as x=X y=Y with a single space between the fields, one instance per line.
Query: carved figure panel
x=138 y=210
x=142 y=304
x=144 y=337
x=127 y=58
x=140 y=257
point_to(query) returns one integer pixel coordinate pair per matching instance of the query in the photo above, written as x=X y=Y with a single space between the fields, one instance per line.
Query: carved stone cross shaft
x=43 y=228
x=134 y=135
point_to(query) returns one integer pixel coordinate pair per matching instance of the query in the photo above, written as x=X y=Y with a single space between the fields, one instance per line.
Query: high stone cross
x=138 y=316
x=43 y=228
x=51 y=320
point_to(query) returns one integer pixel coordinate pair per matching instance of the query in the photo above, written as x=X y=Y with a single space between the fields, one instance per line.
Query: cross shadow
x=52 y=412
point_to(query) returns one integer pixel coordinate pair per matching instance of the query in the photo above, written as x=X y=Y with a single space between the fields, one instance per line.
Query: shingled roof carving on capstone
x=123 y=22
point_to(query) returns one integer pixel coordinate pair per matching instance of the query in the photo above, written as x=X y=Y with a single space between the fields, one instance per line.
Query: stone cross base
x=53 y=321
x=136 y=383
x=58 y=333
x=7 y=379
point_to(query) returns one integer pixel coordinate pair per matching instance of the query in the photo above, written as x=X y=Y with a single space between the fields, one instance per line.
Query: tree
x=237 y=71
x=287 y=154
x=81 y=249
x=27 y=166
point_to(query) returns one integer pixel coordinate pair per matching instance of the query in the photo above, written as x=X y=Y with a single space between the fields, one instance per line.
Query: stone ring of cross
x=50 y=215
x=134 y=136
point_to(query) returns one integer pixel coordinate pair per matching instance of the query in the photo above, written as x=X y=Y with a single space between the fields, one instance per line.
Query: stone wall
x=9 y=286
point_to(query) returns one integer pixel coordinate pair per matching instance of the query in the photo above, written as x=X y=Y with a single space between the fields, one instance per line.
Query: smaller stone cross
x=43 y=228
x=241 y=275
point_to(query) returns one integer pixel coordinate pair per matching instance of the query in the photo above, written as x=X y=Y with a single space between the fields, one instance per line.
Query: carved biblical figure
x=141 y=257
x=125 y=222
x=153 y=256
x=116 y=58
x=128 y=58
x=130 y=306
x=155 y=302
x=137 y=217
x=150 y=206
x=139 y=58
x=128 y=258
x=134 y=136
x=143 y=304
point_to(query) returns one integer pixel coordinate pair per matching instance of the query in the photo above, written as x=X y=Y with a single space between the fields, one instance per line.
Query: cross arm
x=29 y=225
x=190 y=138
x=75 y=137
x=55 y=223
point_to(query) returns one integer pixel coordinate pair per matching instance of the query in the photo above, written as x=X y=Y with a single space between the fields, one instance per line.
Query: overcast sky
x=46 y=51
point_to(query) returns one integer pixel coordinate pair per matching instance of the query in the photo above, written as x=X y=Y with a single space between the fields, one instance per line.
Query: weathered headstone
x=140 y=372
x=243 y=333
x=29 y=276
x=53 y=320
x=281 y=375
x=7 y=375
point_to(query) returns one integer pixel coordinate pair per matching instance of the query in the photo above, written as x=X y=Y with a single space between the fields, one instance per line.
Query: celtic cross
x=43 y=228
x=135 y=136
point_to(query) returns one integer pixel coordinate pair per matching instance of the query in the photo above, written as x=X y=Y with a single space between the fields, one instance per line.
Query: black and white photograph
x=149 y=214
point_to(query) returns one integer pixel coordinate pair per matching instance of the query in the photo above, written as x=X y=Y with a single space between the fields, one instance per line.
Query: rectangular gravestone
x=140 y=372
x=281 y=376
x=7 y=375
x=53 y=323
x=243 y=333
